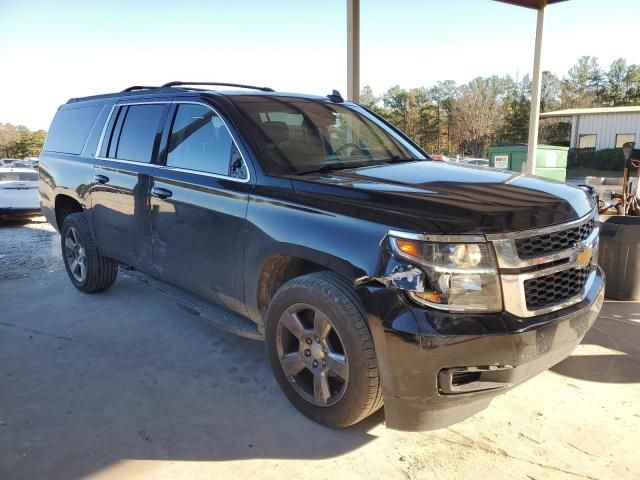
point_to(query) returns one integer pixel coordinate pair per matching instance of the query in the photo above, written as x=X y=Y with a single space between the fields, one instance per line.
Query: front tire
x=88 y=270
x=321 y=351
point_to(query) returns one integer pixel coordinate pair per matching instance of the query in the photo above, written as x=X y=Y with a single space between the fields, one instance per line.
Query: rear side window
x=70 y=129
x=18 y=177
x=139 y=130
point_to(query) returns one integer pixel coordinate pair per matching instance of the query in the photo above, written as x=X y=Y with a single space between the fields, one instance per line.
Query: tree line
x=20 y=142
x=465 y=119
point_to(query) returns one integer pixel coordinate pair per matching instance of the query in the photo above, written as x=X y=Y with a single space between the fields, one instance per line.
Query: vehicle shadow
x=617 y=328
x=92 y=380
x=9 y=221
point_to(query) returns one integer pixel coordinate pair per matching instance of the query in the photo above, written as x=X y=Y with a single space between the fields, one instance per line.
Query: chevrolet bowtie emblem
x=583 y=256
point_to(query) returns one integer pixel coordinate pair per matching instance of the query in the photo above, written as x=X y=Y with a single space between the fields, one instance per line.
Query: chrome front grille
x=553 y=242
x=545 y=270
x=548 y=290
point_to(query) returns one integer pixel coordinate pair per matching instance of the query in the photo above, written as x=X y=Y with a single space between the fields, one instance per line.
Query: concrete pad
x=125 y=384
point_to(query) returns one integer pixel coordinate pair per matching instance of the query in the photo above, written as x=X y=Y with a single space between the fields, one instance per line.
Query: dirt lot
x=125 y=384
x=28 y=248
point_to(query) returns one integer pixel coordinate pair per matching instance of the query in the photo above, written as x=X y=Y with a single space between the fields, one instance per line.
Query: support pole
x=353 y=50
x=575 y=131
x=534 y=116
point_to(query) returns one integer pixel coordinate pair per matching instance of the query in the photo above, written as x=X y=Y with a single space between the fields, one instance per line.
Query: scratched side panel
x=279 y=223
x=198 y=235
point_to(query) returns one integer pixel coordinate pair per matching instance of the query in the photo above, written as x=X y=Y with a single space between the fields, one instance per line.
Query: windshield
x=297 y=135
x=18 y=177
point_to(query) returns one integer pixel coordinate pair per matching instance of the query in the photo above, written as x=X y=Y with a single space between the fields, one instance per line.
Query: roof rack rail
x=239 y=85
x=137 y=87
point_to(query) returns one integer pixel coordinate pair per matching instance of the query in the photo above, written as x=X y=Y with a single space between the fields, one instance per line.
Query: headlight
x=461 y=277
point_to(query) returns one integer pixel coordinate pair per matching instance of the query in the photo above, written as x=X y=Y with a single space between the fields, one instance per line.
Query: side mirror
x=236 y=165
x=236 y=169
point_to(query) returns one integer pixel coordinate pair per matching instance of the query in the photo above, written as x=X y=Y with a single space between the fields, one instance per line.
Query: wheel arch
x=65 y=205
x=279 y=268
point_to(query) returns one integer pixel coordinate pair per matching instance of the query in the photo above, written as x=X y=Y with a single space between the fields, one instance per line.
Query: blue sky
x=51 y=51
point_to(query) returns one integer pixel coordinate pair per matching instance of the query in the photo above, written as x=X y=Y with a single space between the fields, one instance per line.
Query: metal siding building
x=601 y=128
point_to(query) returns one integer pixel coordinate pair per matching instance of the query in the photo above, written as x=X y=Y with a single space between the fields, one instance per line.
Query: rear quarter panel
x=69 y=174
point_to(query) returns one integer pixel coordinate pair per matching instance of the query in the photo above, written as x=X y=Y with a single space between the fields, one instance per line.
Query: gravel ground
x=28 y=248
x=127 y=385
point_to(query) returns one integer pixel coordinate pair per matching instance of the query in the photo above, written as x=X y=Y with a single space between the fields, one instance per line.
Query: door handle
x=101 y=179
x=161 y=192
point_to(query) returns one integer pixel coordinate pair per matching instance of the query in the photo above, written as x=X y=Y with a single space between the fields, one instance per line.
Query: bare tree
x=477 y=115
x=444 y=95
x=550 y=94
x=9 y=137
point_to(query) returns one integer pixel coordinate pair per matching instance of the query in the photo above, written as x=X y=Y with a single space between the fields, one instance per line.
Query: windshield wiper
x=327 y=167
x=341 y=165
x=400 y=159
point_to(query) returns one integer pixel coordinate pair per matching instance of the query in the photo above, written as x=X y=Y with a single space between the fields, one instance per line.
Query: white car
x=476 y=162
x=19 y=192
x=7 y=162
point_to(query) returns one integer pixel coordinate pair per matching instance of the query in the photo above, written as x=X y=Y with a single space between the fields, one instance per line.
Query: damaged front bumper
x=438 y=368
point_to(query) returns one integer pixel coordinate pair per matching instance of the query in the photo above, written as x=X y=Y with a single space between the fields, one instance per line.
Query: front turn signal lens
x=409 y=248
x=433 y=297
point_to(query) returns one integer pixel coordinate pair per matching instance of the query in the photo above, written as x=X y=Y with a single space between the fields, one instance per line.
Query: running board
x=219 y=316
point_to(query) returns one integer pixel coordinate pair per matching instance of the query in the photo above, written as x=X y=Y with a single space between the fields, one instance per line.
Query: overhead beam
x=535 y=4
x=536 y=87
x=353 y=50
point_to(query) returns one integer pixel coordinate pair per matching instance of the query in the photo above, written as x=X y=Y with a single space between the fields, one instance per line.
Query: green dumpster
x=551 y=161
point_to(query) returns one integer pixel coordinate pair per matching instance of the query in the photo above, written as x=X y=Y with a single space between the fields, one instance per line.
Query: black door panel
x=120 y=211
x=122 y=182
x=198 y=212
x=198 y=234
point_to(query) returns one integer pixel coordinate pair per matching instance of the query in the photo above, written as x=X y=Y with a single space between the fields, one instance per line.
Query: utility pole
x=353 y=50
x=536 y=87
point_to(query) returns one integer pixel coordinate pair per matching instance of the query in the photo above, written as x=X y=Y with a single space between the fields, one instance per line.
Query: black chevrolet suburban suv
x=376 y=275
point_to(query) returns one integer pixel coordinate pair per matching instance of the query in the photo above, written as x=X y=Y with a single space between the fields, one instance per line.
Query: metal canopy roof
x=535 y=4
x=353 y=65
x=570 y=112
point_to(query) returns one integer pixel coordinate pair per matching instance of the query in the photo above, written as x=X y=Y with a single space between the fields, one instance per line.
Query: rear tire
x=89 y=271
x=316 y=330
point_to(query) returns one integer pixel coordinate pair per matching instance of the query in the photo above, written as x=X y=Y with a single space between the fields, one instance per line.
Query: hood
x=432 y=197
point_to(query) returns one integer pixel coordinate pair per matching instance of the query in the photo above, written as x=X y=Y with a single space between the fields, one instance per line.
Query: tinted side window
x=18 y=177
x=199 y=140
x=115 y=126
x=139 y=131
x=70 y=129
